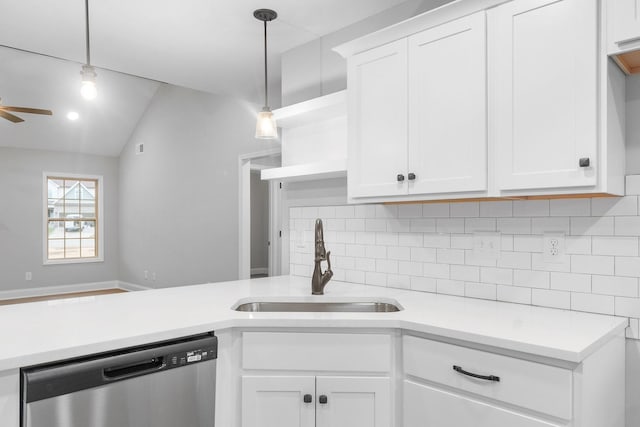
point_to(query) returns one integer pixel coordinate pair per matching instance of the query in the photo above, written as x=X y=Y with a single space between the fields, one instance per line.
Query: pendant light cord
x=86 y=9
x=266 y=80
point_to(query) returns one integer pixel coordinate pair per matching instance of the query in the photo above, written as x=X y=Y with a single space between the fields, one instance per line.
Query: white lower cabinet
x=307 y=401
x=426 y=406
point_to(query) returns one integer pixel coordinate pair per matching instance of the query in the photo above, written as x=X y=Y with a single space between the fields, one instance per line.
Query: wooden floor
x=61 y=296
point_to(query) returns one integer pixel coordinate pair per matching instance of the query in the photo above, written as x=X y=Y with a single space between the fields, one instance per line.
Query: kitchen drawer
x=290 y=351
x=542 y=388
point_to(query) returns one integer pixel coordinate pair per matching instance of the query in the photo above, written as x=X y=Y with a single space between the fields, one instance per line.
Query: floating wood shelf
x=307 y=172
x=629 y=62
x=312 y=111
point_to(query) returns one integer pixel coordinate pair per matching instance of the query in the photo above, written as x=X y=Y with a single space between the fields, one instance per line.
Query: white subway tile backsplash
x=549 y=298
x=423 y=254
x=450 y=287
x=436 y=240
x=452 y=225
x=472 y=225
x=614 y=206
x=464 y=209
x=617 y=286
x=411 y=240
x=592 y=303
x=627 y=226
x=622 y=246
x=480 y=290
x=531 y=279
x=450 y=256
x=627 y=266
x=410 y=211
x=571 y=282
x=514 y=294
x=592 y=226
x=531 y=208
x=496 y=209
x=467 y=273
x=423 y=225
x=633 y=185
x=423 y=284
x=514 y=225
x=500 y=276
x=375 y=225
x=399 y=253
x=592 y=264
x=550 y=225
x=436 y=271
x=570 y=207
x=435 y=210
x=429 y=248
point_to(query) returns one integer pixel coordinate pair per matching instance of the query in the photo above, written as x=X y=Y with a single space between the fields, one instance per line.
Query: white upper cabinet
x=377 y=107
x=544 y=93
x=623 y=25
x=447 y=107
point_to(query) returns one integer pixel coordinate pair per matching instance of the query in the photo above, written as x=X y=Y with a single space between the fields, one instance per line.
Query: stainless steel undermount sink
x=364 y=306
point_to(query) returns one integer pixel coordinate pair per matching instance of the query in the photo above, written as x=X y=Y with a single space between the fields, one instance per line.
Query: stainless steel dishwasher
x=167 y=384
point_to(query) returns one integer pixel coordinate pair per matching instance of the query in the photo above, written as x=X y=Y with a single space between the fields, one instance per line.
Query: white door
x=278 y=401
x=377 y=147
x=624 y=24
x=353 y=402
x=448 y=107
x=543 y=92
x=429 y=407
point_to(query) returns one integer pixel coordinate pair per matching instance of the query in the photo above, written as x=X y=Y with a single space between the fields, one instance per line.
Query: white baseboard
x=260 y=270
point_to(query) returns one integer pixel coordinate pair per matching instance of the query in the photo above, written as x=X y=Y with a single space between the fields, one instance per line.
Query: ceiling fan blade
x=10 y=117
x=27 y=110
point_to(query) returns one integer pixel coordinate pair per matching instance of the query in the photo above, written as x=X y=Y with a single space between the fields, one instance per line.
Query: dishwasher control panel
x=191 y=356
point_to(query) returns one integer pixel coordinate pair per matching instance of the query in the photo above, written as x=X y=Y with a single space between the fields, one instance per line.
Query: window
x=73 y=218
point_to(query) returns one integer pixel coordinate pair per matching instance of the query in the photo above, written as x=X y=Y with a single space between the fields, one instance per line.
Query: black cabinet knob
x=585 y=162
x=307 y=398
x=400 y=177
x=323 y=399
x=412 y=176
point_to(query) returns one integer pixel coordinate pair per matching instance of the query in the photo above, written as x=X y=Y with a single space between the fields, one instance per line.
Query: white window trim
x=45 y=204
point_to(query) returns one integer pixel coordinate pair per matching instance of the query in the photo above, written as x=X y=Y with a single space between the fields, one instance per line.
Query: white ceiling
x=207 y=45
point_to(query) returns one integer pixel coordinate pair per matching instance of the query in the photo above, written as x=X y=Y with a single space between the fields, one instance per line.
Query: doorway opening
x=260 y=217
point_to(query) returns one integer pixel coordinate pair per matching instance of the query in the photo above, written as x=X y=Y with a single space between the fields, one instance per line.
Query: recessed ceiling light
x=73 y=116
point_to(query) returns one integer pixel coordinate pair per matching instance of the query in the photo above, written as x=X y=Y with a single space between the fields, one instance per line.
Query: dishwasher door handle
x=133 y=369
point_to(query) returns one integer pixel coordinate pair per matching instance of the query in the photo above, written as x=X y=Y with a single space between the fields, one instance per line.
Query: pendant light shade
x=88 y=90
x=266 y=127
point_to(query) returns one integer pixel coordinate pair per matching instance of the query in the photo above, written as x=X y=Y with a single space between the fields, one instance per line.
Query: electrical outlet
x=27 y=276
x=487 y=245
x=554 y=249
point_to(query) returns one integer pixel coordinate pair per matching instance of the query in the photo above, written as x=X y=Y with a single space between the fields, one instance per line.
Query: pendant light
x=266 y=127
x=88 y=89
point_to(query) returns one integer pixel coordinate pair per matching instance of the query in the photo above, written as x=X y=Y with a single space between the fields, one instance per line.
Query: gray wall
x=313 y=69
x=21 y=216
x=259 y=221
x=179 y=200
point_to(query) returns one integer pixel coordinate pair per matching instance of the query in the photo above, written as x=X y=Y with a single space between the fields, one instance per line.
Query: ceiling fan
x=4 y=112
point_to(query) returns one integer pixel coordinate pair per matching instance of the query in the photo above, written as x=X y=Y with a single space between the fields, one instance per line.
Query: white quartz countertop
x=53 y=330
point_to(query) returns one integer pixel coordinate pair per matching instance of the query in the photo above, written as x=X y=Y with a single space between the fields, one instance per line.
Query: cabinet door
x=377 y=146
x=277 y=401
x=448 y=107
x=353 y=402
x=623 y=24
x=429 y=407
x=543 y=92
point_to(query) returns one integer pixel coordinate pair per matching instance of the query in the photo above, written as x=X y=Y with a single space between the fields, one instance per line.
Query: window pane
x=87 y=190
x=72 y=248
x=88 y=248
x=88 y=208
x=72 y=190
x=72 y=208
x=88 y=229
x=55 y=188
x=55 y=208
x=56 y=229
x=56 y=249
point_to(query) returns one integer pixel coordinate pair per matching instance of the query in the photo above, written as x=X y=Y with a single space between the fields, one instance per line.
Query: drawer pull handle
x=471 y=374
